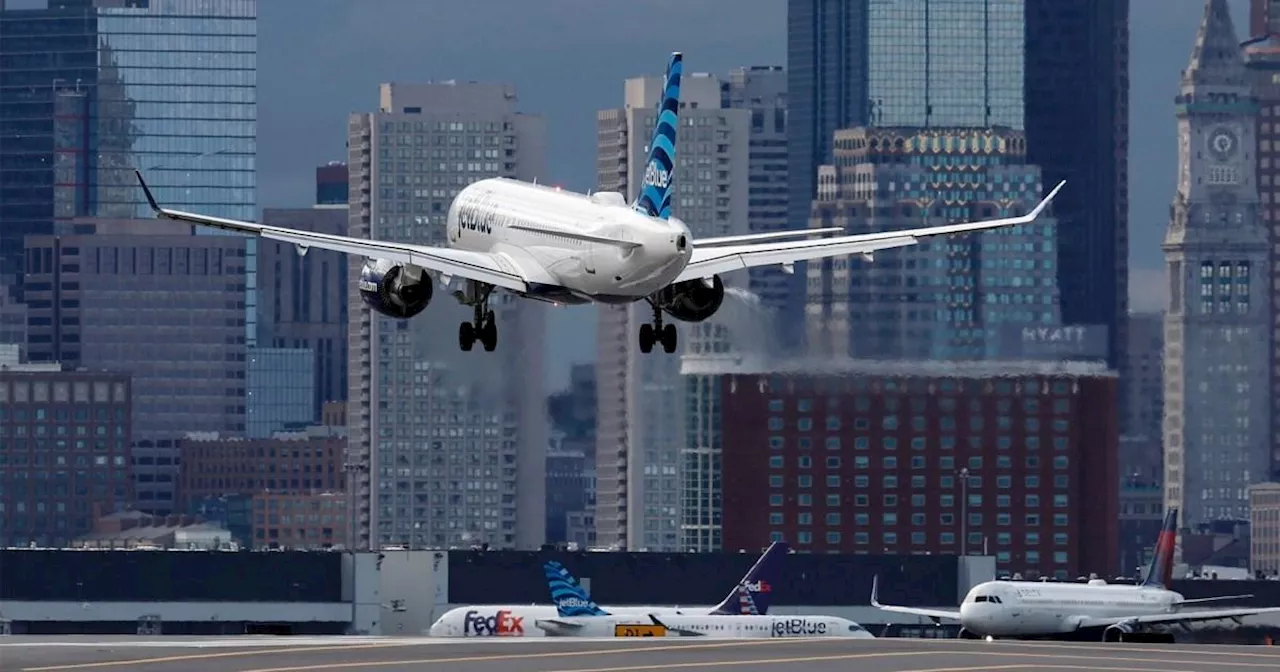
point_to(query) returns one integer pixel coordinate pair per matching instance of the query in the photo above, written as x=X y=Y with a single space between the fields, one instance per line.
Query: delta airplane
x=1032 y=609
x=509 y=621
x=739 y=616
x=561 y=247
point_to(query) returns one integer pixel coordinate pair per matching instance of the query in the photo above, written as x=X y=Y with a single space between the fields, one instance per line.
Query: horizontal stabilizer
x=577 y=235
x=773 y=235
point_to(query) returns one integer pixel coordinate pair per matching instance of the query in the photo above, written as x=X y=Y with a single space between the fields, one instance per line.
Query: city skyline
x=309 y=82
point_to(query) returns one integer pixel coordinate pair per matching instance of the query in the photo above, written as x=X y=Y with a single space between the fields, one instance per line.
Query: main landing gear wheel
x=484 y=328
x=658 y=332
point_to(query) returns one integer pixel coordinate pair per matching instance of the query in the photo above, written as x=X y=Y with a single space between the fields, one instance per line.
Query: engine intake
x=692 y=300
x=395 y=290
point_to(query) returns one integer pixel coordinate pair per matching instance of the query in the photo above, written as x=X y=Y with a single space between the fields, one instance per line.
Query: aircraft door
x=589 y=258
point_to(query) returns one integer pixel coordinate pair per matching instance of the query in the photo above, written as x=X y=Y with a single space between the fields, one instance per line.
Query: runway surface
x=395 y=654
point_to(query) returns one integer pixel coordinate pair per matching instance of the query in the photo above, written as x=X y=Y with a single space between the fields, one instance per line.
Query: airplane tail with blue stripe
x=1160 y=571
x=570 y=597
x=654 y=198
x=754 y=593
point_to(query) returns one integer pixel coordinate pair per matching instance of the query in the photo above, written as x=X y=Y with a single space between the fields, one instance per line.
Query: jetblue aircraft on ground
x=562 y=247
x=1034 y=609
x=740 y=616
x=510 y=620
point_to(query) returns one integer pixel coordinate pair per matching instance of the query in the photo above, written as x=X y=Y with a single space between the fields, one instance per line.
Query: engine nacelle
x=395 y=290
x=692 y=300
x=1117 y=633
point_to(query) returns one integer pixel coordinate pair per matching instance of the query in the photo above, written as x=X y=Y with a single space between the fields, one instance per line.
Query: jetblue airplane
x=561 y=247
x=509 y=620
x=740 y=616
x=1033 y=609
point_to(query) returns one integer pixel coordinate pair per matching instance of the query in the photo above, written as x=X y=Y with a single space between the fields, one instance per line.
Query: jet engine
x=395 y=290
x=692 y=300
x=1117 y=633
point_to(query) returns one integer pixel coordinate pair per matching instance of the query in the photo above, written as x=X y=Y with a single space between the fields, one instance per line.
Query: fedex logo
x=501 y=624
x=760 y=586
x=655 y=176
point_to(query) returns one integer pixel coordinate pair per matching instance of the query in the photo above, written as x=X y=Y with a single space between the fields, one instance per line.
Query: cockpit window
x=855 y=628
x=988 y=598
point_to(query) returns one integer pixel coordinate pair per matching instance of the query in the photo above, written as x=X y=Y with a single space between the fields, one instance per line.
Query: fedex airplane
x=740 y=616
x=561 y=247
x=1032 y=609
x=510 y=621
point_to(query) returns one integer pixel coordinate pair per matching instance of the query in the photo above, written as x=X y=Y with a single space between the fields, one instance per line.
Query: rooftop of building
x=710 y=365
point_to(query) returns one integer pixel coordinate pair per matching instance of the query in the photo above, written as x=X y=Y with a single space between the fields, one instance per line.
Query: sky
x=321 y=60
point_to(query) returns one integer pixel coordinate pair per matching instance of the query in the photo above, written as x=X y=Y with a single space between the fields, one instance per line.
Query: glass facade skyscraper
x=945 y=63
x=1058 y=70
x=92 y=89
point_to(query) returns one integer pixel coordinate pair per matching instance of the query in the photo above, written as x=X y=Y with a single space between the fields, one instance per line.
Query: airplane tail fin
x=654 y=197
x=1160 y=571
x=570 y=598
x=753 y=594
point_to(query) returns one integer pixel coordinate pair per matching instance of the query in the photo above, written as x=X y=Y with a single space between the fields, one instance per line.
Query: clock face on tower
x=1222 y=143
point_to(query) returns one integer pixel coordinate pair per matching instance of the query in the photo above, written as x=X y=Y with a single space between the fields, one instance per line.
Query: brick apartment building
x=1015 y=460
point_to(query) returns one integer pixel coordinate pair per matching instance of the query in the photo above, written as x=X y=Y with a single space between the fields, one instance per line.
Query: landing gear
x=658 y=332
x=485 y=326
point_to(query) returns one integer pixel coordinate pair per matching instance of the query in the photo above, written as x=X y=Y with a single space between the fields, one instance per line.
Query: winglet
x=151 y=200
x=875 y=590
x=1045 y=202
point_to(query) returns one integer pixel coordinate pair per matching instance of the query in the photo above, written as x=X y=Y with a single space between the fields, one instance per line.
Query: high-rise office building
x=1024 y=64
x=165 y=307
x=446 y=447
x=640 y=437
x=1217 y=398
x=92 y=89
x=303 y=298
x=946 y=298
x=1262 y=58
x=762 y=90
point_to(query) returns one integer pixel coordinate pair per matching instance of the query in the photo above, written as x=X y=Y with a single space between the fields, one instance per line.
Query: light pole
x=964 y=511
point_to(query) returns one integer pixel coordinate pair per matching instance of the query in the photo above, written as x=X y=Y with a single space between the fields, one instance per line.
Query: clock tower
x=1217 y=438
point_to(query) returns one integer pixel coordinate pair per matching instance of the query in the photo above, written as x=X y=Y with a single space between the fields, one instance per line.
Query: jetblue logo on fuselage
x=575 y=602
x=656 y=177
x=468 y=220
x=798 y=627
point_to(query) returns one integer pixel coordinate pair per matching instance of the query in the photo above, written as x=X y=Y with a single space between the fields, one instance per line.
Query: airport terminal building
x=177 y=592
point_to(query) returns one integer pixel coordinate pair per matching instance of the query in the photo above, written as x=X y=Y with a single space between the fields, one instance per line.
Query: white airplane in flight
x=543 y=243
x=1033 y=609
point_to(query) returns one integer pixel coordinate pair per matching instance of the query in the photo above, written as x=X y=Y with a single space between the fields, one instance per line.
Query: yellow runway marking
x=354 y=647
x=600 y=652
x=210 y=656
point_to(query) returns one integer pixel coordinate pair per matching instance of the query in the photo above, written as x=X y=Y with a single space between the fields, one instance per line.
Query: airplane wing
x=492 y=269
x=935 y=614
x=708 y=261
x=747 y=237
x=1177 y=617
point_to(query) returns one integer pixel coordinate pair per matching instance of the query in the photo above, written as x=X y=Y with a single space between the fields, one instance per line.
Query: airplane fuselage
x=1034 y=609
x=715 y=626
x=554 y=238
x=518 y=620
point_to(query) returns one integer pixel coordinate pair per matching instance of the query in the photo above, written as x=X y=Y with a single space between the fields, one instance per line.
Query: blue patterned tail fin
x=654 y=198
x=570 y=598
